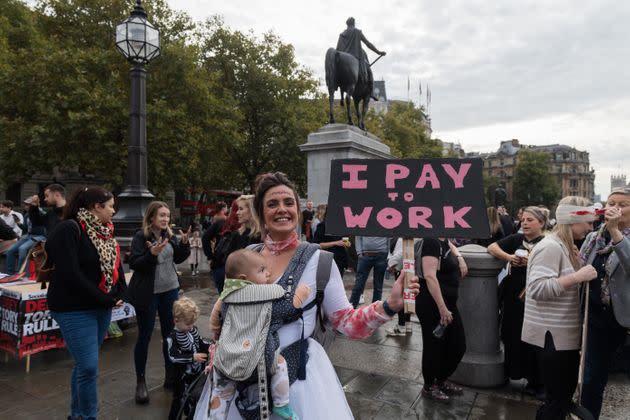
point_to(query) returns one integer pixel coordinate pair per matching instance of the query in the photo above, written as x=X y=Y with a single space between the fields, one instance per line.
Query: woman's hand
x=184 y=235
x=119 y=303
x=157 y=247
x=446 y=317
x=200 y=357
x=586 y=273
x=518 y=261
x=463 y=268
x=395 y=299
x=613 y=216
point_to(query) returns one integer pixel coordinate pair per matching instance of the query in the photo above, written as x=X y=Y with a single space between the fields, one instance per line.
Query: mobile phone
x=438 y=332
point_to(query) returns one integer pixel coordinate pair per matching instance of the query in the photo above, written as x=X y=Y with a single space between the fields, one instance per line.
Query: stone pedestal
x=337 y=141
x=482 y=365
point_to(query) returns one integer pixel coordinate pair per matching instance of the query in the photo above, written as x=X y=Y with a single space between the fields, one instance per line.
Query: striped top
x=182 y=346
x=548 y=305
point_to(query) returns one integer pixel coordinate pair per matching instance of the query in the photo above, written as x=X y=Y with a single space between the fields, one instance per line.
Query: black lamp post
x=139 y=41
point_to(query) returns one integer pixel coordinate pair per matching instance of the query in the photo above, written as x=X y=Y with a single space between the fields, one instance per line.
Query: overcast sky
x=548 y=71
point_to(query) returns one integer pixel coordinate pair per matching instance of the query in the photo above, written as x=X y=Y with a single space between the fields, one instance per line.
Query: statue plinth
x=337 y=141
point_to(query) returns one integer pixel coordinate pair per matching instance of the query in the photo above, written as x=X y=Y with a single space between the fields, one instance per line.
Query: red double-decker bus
x=202 y=204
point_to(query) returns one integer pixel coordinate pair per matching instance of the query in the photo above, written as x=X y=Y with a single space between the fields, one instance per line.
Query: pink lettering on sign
x=354 y=183
x=450 y=217
x=389 y=218
x=394 y=172
x=358 y=220
x=457 y=177
x=428 y=175
x=418 y=216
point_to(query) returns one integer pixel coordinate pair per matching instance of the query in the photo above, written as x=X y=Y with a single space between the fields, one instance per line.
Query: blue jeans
x=19 y=251
x=366 y=263
x=161 y=304
x=604 y=337
x=83 y=332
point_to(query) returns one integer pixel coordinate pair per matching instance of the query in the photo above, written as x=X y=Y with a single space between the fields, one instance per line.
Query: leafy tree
x=533 y=183
x=402 y=128
x=75 y=115
x=273 y=98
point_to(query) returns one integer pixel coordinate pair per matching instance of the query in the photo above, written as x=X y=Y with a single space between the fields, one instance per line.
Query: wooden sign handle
x=410 y=271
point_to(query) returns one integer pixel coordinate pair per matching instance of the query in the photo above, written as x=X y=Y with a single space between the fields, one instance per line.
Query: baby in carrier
x=245 y=308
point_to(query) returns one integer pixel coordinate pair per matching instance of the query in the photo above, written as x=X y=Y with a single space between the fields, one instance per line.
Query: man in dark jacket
x=55 y=197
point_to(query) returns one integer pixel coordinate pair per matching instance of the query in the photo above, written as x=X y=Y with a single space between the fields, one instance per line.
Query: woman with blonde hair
x=496 y=228
x=553 y=318
x=241 y=231
x=154 y=286
x=320 y=213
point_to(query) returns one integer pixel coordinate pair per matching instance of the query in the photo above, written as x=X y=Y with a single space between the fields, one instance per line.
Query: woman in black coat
x=87 y=282
x=154 y=286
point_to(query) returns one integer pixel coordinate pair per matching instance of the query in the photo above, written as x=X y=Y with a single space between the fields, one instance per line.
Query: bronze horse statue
x=342 y=72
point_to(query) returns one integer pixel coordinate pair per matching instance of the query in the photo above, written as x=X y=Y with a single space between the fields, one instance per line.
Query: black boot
x=169 y=376
x=142 y=394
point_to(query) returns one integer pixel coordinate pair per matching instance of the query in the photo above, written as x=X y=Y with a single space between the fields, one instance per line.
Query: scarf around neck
x=276 y=247
x=600 y=243
x=102 y=237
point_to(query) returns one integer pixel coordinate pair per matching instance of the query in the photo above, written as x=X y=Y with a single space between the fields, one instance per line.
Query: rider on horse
x=350 y=42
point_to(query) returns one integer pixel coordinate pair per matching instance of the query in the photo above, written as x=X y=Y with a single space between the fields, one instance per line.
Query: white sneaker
x=396 y=331
x=361 y=300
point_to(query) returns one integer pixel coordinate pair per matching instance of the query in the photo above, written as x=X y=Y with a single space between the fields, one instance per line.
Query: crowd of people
x=266 y=240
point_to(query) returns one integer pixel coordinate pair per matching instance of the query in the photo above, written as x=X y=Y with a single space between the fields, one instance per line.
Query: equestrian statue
x=348 y=69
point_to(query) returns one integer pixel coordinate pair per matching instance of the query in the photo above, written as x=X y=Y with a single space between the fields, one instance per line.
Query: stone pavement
x=381 y=377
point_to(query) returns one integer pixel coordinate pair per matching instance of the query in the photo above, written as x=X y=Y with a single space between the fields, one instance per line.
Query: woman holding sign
x=443 y=340
x=318 y=394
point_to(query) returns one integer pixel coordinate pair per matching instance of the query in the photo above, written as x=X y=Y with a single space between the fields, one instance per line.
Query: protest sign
x=26 y=325
x=407 y=198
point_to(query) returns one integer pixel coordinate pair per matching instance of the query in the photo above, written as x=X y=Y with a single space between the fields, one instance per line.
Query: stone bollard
x=482 y=365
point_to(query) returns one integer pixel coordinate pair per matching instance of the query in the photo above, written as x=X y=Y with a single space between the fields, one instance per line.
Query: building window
x=573 y=183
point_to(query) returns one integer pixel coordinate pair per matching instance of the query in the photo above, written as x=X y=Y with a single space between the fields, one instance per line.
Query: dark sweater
x=48 y=220
x=143 y=263
x=77 y=272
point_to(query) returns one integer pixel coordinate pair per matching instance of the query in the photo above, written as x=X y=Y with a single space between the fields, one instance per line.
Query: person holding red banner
x=87 y=282
x=318 y=395
x=443 y=339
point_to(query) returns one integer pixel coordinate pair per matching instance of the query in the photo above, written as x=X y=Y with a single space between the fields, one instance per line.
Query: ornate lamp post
x=139 y=42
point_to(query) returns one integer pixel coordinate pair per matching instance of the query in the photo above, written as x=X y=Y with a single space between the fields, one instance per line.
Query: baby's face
x=258 y=272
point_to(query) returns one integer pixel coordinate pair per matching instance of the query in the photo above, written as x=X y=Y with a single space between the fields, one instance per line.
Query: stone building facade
x=569 y=166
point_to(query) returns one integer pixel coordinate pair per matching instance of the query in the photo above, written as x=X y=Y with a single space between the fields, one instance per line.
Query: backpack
x=43 y=267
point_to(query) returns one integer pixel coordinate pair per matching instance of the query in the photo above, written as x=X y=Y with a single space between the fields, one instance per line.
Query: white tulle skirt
x=318 y=397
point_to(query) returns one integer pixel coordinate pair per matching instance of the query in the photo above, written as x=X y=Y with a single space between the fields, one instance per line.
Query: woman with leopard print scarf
x=87 y=282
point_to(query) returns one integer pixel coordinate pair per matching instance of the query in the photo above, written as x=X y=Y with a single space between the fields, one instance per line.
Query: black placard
x=407 y=198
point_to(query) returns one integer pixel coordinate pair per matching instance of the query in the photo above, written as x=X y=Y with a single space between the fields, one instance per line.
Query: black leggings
x=440 y=356
x=560 y=376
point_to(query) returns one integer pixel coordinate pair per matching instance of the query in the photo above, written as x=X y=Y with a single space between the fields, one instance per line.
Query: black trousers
x=440 y=356
x=560 y=376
